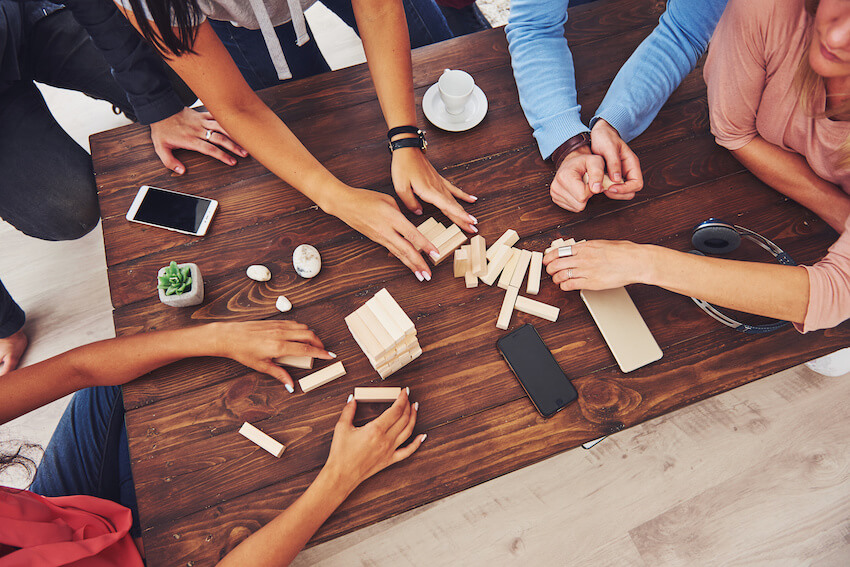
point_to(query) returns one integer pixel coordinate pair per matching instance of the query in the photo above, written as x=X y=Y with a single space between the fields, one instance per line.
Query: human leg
x=88 y=454
x=465 y=20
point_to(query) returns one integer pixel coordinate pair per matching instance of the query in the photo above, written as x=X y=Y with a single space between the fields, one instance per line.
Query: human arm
x=356 y=454
x=387 y=45
x=118 y=361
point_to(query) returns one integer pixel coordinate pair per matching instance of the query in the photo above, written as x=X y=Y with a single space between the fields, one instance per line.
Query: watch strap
x=409 y=143
x=402 y=130
x=571 y=145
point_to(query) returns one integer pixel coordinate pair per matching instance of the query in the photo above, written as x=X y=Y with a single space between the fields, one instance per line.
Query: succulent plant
x=175 y=280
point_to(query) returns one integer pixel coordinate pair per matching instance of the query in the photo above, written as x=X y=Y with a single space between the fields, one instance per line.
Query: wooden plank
x=509 y=269
x=322 y=377
x=521 y=268
x=258 y=437
x=537 y=308
x=534 y=273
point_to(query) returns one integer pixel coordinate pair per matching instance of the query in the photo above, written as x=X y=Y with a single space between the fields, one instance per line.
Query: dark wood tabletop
x=202 y=488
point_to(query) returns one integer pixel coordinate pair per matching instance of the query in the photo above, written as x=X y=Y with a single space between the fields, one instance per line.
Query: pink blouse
x=749 y=72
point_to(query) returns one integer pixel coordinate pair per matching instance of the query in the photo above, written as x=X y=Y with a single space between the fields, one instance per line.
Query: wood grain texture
x=480 y=424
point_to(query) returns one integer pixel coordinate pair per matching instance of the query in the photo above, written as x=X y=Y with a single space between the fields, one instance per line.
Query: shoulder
x=773 y=20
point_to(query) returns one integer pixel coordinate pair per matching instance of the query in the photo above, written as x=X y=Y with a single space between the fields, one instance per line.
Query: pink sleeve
x=735 y=72
x=829 y=287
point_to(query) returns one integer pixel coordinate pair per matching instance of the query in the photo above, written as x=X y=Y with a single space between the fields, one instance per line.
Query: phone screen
x=537 y=370
x=172 y=210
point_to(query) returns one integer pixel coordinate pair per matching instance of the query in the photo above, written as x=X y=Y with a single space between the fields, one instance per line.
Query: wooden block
x=478 y=255
x=521 y=268
x=448 y=242
x=396 y=311
x=322 y=377
x=256 y=436
x=470 y=279
x=427 y=225
x=494 y=268
x=622 y=327
x=376 y=395
x=363 y=336
x=535 y=270
x=509 y=238
x=537 y=308
x=387 y=320
x=504 y=320
x=415 y=352
x=508 y=270
x=434 y=232
x=606 y=181
x=374 y=324
x=461 y=265
x=557 y=243
x=305 y=362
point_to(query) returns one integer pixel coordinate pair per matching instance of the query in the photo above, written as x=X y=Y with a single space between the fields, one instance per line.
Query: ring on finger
x=569 y=273
x=565 y=251
x=208 y=135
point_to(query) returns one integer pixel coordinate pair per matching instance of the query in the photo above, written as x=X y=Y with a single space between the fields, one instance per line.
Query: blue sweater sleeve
x=11 y=315
x=135 y=65
x=658 y=65
x=543 y=70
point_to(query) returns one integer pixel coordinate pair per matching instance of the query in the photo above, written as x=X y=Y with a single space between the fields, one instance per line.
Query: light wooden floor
x=756 y=476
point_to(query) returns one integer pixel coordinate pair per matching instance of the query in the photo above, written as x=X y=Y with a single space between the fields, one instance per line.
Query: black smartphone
x=537 y=370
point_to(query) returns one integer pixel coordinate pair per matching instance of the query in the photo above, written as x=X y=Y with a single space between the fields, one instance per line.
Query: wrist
x=331 y=196
x=569 y=147
x=648 y=259
x=338 y=480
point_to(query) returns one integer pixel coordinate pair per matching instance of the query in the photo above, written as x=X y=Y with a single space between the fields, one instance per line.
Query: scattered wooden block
x=322 y=377
x=448 y=242
x=537 y=308
x=304 y=362
x=606 y=181
x=461 y=265
x=376 y=395
x=470 y=279
x=504 y=320
x=509 y=238
x=363 y=336
x=557 y=243
x=508 y=270
x=494 y=268
x=478 y=255
x=535 y=270
x=521 y=268
x=258 y=437
x=396 y=311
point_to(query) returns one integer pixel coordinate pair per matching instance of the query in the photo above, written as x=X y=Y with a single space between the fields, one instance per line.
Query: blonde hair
x=810 y=85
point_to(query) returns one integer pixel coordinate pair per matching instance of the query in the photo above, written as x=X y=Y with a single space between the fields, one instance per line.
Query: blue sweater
x=544 y=71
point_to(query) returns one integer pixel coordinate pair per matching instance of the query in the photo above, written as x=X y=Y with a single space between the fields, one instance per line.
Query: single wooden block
x=537 y=308
x=258 y=437
x=561 y=242
x=396 y=311
x=461 y=264
x=434 y=231
x=305 y=362
x=363 y=336
x=387 y=320
x=606 y=181
x=508 y=270
x=470 y=280
x=448 y=242
x=478 y=255
x=622 y=327
x=494 y=268
x=427 y=225
x=509 y=238
x=322 y=377
x=535 y=270
x=504 y=320
x=521 y=268
x=376 y=395
x=374 y=325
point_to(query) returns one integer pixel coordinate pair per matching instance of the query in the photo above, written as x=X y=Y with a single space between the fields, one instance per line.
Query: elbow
x=829 y=296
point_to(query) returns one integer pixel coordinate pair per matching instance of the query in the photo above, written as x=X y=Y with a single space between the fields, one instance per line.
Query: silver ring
x=569 y=273
x=565 y=251
x=208 y=135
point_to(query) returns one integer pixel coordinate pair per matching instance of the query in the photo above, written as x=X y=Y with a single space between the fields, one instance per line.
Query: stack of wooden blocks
x=447 y=240
x=475 y=262
x=385 y=333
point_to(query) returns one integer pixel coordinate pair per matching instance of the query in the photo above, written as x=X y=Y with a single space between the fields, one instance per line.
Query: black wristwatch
x=419 y=142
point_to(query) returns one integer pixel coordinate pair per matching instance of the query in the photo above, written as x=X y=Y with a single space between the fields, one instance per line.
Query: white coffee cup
x=455 y=90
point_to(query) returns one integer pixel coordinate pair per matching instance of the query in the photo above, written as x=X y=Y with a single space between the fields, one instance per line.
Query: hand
x=255 y=344
x=378 y=217
x=187 y=130
x=11 y=350
x=359 y=452
x=568 y=189
x=620 y=161
x=598 y=264
x=413 y=175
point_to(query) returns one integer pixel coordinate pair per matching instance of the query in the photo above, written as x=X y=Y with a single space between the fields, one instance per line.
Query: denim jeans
x=466 y=20
x=425 y=23
x=88 y=454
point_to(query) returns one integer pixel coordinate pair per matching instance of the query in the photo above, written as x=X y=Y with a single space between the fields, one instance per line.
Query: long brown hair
x=19 y=458
x=184 y=15
x=809 y=84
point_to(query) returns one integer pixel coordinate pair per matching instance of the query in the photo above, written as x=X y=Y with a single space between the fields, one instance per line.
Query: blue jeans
x=425 y=23
x=88 y=453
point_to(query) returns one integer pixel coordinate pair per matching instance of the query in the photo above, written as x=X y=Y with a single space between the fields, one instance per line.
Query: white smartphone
x=171 y=210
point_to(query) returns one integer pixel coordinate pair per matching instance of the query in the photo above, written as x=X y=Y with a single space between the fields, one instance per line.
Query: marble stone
x=307 y=261
x=259 y=273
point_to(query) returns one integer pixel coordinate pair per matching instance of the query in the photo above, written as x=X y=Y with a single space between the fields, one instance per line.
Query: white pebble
x=259 y=273
x=283 y=305
x=307 y=261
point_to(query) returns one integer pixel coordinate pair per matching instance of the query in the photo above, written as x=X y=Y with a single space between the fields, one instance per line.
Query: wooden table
x=202 y=488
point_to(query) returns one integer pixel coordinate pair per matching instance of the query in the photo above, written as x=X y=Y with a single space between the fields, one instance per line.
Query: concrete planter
x=192 y=297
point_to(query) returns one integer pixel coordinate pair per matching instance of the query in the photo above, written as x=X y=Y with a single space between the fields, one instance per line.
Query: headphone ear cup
x=714 y=239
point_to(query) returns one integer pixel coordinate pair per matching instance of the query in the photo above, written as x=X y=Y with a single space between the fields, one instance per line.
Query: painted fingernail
x=474 y=198
x=415 y=406
x=472 y=219
x=332 y=355
x=423 y=438
x=179 y=170
x=350 y=397
x=419 y=276
x=474 y=229
x=427 y=276
x=289 y=388
x=407 y=390
x=417 y=212
x=243 y=153
x=434 y=255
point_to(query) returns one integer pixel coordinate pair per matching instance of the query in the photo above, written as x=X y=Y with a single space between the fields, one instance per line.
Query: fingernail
x=434 y=255
x=243 y=153
x=232 y=162
x=289 y=388
x=419 y=276
x=474 y=198
x=427 y=276
x=424 y=437
x=350 y=397
x=472 y=219
x=617 y=178
x=417 y=212
x=597 y=187
x=178 y=170
x=415 y=406
x=474 y=229
x=407 y=390
x=612 y=190
x=332 y=355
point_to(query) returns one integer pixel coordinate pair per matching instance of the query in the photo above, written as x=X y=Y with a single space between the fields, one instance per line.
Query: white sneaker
x=834 y=364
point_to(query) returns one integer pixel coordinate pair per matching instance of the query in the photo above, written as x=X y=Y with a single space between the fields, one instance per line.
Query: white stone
x=259 y=273
x=283 y=305
x=307 y=261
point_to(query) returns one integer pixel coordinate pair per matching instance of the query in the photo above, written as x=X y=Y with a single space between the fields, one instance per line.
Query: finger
x=562 y=264
x=167 y=158
x=278 y=374
x=346 y=418
x=302 y=349
x=404 y=452
x=405 y=193
x=286 y=324
x=631 y=167
x=412 y=234
x=305 y=336
x=459 y=193
x=402 y=249
x=444 y=201
x=620 y=196
x=209 y=148
x=224 y=141
x=611 y=156
x=409 y=424
x=573 y=284
x=397 y=427
x=565 y=199
x=595 y=172
x=386 y=420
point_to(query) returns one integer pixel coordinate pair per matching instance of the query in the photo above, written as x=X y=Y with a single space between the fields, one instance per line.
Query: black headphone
x=717 y=237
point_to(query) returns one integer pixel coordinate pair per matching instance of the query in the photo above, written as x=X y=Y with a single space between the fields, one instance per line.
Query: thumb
x=167 y=158
x=347 y=416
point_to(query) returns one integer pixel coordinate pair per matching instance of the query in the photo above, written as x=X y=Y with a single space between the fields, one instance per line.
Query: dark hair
x=185 y=15
x=18 y=459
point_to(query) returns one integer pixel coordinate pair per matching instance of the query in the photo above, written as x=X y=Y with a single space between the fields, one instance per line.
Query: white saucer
x=435 y=110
